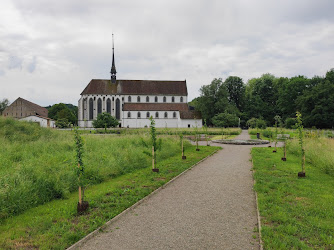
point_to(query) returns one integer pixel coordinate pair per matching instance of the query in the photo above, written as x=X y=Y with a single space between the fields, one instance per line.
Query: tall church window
x=156 y=99
x=129 y=114
x=174 y=114
x=138 y=98
x=138 y=115
x=147 y=99
x=148 y=115
x=99 y=106
x=118 y=109
x=91 y=109
x=181 y=99
x=156 y=114
x=164 y=100
x=173 y=99
x=108 y=106
x=166 y=115
x=129 y=98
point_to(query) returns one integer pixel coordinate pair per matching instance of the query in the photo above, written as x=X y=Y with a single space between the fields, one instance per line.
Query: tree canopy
x=63 y=113
x=265 y=97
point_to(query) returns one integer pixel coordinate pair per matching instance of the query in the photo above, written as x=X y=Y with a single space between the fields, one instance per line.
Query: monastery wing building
x=133 y=102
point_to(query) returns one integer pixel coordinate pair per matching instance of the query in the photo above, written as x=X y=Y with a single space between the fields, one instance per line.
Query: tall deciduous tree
x=236 y=91
x=3 y=104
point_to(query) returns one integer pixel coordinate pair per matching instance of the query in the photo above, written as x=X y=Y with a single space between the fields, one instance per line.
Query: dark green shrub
x=290 y=123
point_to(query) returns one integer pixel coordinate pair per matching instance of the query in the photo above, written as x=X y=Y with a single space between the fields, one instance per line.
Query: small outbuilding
x=42 y=121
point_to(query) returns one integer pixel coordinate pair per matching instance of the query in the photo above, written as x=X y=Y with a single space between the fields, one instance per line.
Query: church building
x=133 y=102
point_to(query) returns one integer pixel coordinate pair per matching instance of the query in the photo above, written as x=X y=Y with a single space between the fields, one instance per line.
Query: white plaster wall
x=192 y=122
x=41 y=121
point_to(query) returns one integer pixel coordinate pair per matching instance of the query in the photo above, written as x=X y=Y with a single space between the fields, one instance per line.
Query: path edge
x=117 y=217
x=257 y=209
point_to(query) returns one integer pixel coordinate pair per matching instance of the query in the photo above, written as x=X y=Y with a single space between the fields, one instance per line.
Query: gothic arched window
x=173 y=99
x=156 y=99
x=91 y=109
x=148 y=115
x=166 y=115
x=129 y=114
x=99 y=106
x=156 y=114
x=129 y=99
x=174 y=114
x=138 y=98
x=164 y=100
x=147 y=99
x=108 y=106
x=181 y=99
x=138 y=115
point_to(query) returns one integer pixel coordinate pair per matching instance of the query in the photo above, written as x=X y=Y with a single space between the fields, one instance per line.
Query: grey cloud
x=32 y=65
x=14 y=62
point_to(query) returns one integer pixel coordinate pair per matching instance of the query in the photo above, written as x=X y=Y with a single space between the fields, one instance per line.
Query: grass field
x=168 y=131
x=296 y=213
x=38 y=183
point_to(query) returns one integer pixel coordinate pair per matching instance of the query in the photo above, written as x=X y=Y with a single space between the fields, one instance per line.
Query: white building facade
x=133 y=102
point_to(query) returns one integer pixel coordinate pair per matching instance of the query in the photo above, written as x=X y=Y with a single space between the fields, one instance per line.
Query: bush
x=256 y=123
x=290 y=123
x=225 y=120
x=105 y=120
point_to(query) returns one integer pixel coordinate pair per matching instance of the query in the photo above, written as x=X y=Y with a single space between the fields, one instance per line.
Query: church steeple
x=113 y=68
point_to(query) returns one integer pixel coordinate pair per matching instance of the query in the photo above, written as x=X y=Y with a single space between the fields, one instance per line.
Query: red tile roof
x=31 y=106
x=136 y=87
x=155 y=107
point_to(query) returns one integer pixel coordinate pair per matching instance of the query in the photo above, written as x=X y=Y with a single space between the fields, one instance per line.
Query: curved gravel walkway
x=211 y=206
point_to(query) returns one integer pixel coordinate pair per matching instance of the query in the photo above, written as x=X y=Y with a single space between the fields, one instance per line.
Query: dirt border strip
x=257 y=209
x=117 y=217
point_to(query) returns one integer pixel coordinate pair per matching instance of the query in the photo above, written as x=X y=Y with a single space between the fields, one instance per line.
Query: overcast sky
x=50 y=50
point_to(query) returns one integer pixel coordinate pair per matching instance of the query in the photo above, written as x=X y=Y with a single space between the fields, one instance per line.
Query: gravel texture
x=212 y=206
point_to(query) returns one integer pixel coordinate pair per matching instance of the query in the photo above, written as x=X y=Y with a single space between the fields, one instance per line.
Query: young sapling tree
x=79 y=148
x=277 y=122
x=196 y=136
x=299 y=126
x=182 y=147
x=156 y=144
x=205 y=129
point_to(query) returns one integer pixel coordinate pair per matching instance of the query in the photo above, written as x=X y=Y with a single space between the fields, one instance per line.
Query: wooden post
x=284 y=149
x=80 y=198
x=152 y=157
x=182 y=147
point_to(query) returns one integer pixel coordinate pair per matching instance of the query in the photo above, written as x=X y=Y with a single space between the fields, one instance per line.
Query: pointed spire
x=113 y=68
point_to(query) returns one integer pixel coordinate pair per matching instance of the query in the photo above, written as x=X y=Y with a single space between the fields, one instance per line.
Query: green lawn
x=296 y=213
x=56 y=224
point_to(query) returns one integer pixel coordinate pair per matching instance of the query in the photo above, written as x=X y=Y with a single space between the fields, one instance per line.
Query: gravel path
x=211 y=206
